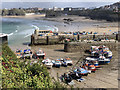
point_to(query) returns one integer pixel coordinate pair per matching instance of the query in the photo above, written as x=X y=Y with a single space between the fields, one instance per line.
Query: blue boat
x=56 y=63
x=81 y=71
x=103 y=60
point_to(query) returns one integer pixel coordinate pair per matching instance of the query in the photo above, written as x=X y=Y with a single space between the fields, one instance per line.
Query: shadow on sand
x=26 y=43
x=59 y=50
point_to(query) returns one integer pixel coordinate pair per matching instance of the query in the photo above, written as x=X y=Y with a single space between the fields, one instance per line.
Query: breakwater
x=38 y=40
x=82 y=46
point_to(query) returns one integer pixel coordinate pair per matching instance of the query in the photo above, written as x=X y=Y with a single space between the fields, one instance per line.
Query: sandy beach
x=26 y=16
x=101 y=27
x=105 y=27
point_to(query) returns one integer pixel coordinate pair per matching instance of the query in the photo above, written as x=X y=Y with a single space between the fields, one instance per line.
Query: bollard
x=47 y=40
x=93 y=36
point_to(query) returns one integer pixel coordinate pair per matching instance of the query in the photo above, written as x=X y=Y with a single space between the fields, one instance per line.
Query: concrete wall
x=82 y=46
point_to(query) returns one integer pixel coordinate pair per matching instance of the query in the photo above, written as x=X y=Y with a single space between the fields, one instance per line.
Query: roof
x=3 y=35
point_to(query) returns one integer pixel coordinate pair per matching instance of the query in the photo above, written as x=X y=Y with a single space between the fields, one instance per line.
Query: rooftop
x=2 y=34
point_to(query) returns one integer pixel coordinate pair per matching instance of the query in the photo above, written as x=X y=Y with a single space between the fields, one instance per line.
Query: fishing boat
x=108 y=54
x=56 y=63
x=68 y=61
x=39 y=54
x=81 y=71
x=18 y=53
x=92 y=61
x=89 y=67
x=103 y=60
x=27 y=53
x=48 y=63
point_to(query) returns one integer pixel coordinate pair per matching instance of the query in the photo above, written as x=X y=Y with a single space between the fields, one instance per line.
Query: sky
x=55 y=3
x=60 y=0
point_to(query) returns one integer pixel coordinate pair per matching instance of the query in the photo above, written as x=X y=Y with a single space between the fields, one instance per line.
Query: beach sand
x=99 y=26
x=102 y=78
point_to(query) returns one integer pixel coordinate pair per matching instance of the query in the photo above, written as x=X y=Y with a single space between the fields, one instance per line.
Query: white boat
x=91 y=58
x=68 y=61
x=39 y=54
x=103 y=60
x=48 y=63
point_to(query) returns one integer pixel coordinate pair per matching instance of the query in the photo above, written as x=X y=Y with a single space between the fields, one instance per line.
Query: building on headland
x=57 y=9
x=114 y=7
x=77 y=9
x=29 y=13
x=68 y=9
x=3 y=38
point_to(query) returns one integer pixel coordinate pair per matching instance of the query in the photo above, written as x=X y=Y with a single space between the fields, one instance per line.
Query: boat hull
x=104 y=62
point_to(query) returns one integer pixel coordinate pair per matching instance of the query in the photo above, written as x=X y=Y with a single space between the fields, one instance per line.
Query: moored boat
x=48 y=63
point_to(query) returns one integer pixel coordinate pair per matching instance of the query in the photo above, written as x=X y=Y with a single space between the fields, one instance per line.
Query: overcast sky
x=60 y=0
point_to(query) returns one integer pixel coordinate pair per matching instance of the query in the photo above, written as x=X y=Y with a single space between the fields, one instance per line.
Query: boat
x=39 y=54
x=18 y=53
x=81 y=71
x=103 y=60
x=92 y=61
x=27 y=53
x=68 y=61
x=108 y=54
x=56 y=63
x=48 y=63
x=89 y=67
x=66 y=78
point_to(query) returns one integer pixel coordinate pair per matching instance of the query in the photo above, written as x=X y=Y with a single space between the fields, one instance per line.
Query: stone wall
x=90 y=37
x=82 y=46
x=44 y=39
x=4 y=40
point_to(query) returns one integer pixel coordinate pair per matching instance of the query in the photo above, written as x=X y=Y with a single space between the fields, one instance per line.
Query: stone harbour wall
x=82 y=46
x=44 y=40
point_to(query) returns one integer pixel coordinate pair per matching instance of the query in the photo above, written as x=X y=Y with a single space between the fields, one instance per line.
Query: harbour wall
x=82 y=46
x=4 y=39
x=38 y=40
x=60 y=38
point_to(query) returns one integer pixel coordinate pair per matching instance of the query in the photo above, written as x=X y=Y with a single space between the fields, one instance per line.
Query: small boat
x=66 y=78
x=56 y=63
x=68 y=61
x=39 y=54
x=89 y=66
x=109 y=54
x=92 y=61
x=103 y=60
x=91 y=58
x=18 y=53
x=81 y=71
x=27 y=53
x=48 y=63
